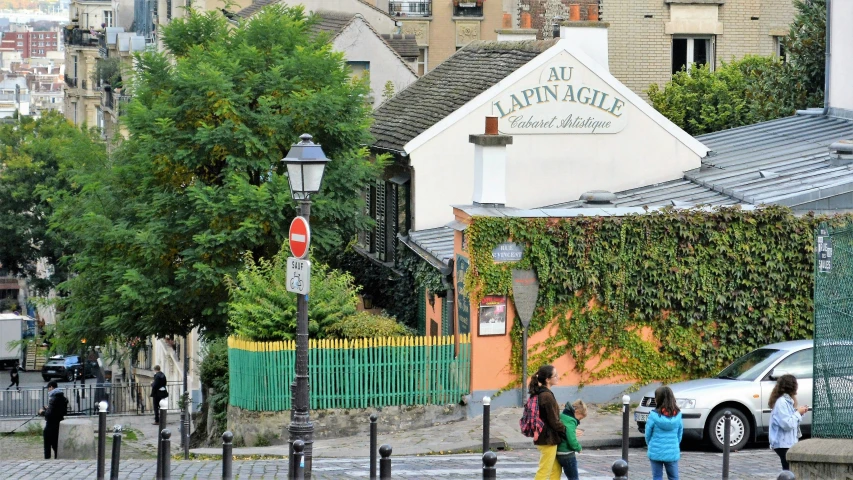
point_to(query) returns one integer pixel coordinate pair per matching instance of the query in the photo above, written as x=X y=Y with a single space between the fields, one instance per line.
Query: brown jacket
x=549 y=412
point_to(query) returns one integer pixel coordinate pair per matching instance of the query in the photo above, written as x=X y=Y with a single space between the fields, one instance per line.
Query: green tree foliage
x=198 y=183
x=36 y=157
x=213 y=372
x=753 y=89
x=367 y=325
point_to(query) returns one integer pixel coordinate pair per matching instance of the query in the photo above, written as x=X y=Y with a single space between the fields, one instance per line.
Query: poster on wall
x=492 y=319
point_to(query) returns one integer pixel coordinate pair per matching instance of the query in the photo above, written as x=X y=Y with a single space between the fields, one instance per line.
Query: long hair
x=665 y=402
x=539 y=378
x=785 y=384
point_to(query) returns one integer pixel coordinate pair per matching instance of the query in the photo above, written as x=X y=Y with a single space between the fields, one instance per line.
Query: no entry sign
x=300 y=237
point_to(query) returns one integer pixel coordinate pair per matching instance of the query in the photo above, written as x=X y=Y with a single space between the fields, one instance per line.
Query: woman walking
x=663 y=435
x=785 y=417
x=553 y=431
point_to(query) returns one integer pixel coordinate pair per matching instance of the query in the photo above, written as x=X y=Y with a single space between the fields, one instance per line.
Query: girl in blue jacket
x=785 y=417
x=663 y=435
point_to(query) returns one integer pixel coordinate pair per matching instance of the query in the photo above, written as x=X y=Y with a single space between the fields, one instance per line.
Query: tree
x=198 y=183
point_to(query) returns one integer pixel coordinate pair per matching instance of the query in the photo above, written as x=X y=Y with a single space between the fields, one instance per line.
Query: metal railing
x=81 y=37
x=71 y=81
x=410 y=9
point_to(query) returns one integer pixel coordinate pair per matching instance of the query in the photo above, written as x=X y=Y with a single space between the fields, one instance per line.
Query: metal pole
x=487 y=407
x=385 y=462
x=166 y=461
x=620 y=470
x=301 y=427
x=727 y=425
x=185 y=412
x=524 y=366
x=299 y=459
x=626 y=425
x=373 y=418
x=83 y=373
x=227 y=456
x=102 y=439
x=116 y=457
x=489 y=461
x=163 y=406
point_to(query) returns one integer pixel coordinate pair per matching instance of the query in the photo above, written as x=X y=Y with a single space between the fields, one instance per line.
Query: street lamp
x=305 y=164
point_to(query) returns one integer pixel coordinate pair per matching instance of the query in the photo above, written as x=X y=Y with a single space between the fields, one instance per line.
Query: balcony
x=71 y=82
x=410 y=9
x=80 y=37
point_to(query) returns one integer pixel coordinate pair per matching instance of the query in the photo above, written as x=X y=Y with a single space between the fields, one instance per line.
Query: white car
x=744 y=389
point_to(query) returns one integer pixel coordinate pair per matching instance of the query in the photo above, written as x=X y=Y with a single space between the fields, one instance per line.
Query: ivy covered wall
x=662 y=296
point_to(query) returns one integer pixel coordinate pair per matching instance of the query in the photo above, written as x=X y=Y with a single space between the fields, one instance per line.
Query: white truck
x=12 y=327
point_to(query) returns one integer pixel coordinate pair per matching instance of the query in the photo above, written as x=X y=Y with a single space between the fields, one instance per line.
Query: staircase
x=36 y=357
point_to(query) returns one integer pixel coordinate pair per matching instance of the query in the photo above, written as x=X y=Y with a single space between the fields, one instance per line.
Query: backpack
x=531 y=423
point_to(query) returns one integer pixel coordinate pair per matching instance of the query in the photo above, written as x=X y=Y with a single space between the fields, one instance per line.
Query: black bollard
x=727 y=440
x=786 y=475
x=385 y=462
x=163 y=406
x=620 y=470
x=299 y=459
x=102 y=439
x=114 y=461
x=487 y=407
x=166 y=461
x=626 y=425
x=227 y=456
x=489 y=461
x=373 y=419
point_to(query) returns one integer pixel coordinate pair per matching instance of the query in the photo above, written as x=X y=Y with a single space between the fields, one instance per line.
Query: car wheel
x=46 y=378
x=69 y=377
x=739 y=429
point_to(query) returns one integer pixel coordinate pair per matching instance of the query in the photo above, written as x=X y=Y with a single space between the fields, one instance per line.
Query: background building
x=30 y=44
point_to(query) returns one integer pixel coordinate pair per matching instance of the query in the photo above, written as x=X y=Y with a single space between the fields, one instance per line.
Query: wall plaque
x=525 y=288
x=508 y=252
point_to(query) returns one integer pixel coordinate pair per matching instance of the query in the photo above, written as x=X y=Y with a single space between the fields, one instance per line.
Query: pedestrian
x=54 y=412
x=570 y=447
x=663 y=435
x=785 y=417
x=158 y=392
x=553 y=430
x=16 y=379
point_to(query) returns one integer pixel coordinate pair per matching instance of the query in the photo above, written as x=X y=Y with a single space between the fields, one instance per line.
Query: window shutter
x=381 y=225
x=391 y=215
x=422 y=303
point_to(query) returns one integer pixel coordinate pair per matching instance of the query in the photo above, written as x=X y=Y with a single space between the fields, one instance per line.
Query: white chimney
x=590 y=37
x=840 y=51
x=490 y=165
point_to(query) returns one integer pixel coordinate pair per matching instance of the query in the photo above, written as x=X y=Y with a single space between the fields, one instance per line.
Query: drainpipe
x=827 y=69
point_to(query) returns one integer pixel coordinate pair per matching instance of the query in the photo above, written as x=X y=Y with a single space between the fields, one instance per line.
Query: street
x=758 y=463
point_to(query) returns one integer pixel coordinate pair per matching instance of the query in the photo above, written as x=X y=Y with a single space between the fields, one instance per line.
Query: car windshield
x=751 y=365
x=55 y=363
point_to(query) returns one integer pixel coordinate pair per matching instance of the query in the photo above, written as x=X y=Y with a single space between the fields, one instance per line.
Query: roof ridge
x=377 y=9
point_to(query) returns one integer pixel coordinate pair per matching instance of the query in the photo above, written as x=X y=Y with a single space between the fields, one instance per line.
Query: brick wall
x=543 y=12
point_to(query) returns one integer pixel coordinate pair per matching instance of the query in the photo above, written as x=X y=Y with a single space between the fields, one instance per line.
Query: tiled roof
x=331 y=22
x=405 y=45
x=255 y=7
x=434 y=244
x=456 y=81
x=682 y=193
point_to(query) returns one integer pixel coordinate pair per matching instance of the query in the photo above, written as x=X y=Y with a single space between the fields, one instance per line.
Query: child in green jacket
x=571 y=418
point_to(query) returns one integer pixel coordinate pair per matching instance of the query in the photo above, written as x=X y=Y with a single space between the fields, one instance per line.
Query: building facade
x=30 y=44
x=81 y=38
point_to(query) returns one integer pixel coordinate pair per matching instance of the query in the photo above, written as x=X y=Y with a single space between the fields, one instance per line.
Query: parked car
x=66 y=367
x=743 y=388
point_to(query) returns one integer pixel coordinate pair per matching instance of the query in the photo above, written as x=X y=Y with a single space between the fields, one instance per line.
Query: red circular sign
x=300 y=237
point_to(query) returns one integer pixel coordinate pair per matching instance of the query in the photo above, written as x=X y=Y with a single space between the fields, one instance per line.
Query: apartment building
x=81 y=39
x=30 y=44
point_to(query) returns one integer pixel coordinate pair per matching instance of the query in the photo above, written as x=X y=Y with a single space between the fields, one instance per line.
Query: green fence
x=351 y=373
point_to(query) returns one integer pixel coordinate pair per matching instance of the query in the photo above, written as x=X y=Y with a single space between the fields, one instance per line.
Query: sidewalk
x=602 y=429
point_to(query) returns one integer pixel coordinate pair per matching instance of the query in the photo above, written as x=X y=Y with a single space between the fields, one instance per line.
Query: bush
x=367 y=325
x=213 y=372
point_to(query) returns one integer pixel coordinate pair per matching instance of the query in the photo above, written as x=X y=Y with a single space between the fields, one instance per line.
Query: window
x=74 y=59
x=687 y=51
x=798 y=364
x=423 y=58
x=387 y=202
x=779 y=50
x=20 y=36
x=467 y=8
x=359 y=68
x=108 y=18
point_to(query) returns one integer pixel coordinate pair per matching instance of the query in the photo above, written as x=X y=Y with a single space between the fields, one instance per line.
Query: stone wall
x=270 y=428
x=822 y=459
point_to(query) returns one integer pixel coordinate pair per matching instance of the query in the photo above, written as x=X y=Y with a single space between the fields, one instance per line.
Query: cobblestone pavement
x=752 y=464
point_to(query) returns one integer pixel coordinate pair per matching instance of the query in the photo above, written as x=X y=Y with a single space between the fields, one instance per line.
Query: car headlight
x=683 y=403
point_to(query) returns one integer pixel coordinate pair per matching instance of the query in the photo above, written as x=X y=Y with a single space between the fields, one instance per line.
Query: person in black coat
x=54 y=412
x=158 y=392
x=16 y=379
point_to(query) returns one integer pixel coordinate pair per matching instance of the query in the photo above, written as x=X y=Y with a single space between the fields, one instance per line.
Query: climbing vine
x=661 y=296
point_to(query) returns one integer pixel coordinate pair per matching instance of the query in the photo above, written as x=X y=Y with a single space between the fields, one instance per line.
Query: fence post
x=727 y=440
x=102 y=439
x=227 y=456
x=373 y=418
x=385 y=462
x=620 y=470
x=487 y=407
x=786 y=475
x=166 y=462
x=626 y=422
x=298 y=459
x=489 y=461
x=116 y=457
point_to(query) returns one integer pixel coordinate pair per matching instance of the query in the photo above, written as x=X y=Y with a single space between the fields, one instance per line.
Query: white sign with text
x=298 y=275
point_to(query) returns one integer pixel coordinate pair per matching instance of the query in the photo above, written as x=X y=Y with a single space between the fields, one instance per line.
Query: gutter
x=827 y=68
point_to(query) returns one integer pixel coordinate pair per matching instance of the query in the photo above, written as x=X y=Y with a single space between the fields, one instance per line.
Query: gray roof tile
x=331 y=22
x=405 y=45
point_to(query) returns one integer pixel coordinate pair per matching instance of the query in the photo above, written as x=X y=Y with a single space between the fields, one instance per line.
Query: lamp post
x=305 y=164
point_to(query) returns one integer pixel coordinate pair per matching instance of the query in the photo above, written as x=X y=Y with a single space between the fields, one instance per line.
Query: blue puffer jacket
x=663 y=434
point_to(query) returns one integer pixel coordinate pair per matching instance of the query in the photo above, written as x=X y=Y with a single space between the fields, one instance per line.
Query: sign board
x=508 y=252
x=525 y=288
x=300 y=237
x=298 y=275
x=824 y=251
x=463 y=302
x=492 y=317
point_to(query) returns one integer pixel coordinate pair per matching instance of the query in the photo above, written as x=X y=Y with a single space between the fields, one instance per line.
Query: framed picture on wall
x=492 y=318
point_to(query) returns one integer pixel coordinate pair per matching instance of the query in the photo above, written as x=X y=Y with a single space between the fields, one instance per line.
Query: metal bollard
x=620 y=470
x=626 y=425
x=102 y=439
x=487 y=407
x=373 y=419
x=164 y=405
x=185 y=426
x=489 y=461
x=299 y=459
x=385 y=462
x=786 y=475
x=116 y=458
x=727 y=440
x=227 y=456
x=166 y=462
